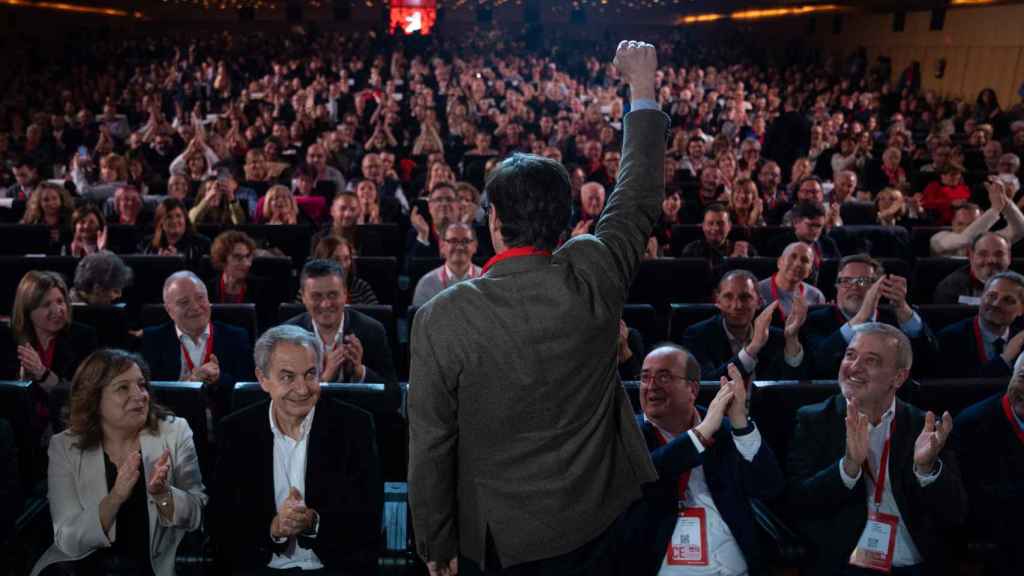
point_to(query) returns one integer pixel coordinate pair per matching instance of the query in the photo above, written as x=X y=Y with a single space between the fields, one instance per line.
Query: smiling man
x=298 y=478
x=1001 y=341
x=988 y=255
x=871 y=481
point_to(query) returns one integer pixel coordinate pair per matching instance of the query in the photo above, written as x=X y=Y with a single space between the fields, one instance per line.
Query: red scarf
x=515 y=253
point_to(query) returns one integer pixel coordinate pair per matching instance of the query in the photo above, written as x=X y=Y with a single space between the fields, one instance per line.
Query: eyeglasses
x=236 y=257
x=859 y=281
x=442 y=201
x=660 y=378
x=459 y=241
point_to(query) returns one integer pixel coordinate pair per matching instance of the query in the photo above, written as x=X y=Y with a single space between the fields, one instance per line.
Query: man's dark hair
x=320 y=269
x=805 y=210
x=533 y=200
x=716 y=207
x=877 y=266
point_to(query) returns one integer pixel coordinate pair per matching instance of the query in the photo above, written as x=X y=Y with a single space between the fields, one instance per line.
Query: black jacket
x=343 y=485
x=709 y=344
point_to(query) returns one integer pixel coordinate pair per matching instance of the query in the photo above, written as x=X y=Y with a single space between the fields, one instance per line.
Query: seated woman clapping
x=124 y=481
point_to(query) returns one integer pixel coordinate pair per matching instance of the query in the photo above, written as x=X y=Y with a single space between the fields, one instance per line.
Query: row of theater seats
x=773 y=407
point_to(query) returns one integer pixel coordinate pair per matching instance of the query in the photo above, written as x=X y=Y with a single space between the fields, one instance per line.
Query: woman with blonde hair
x=51 y=204
x=124 y=484
x=280 y=207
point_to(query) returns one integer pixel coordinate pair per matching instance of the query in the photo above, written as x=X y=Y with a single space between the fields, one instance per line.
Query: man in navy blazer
x=192 y=348
x=987 y=345
x=355 y=346
x=724 y=465
x=990 y=442
x=860 y=286
x=735 y=337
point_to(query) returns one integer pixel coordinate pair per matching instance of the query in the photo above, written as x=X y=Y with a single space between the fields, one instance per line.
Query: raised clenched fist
x=637 y=62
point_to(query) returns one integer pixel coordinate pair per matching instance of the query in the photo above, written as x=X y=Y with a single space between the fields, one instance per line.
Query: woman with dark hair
x=986 y=107
x=124 y=482
x=42 y=344
x=100 y=278
x=90 y=231
x=340 y=250
x=173 y=234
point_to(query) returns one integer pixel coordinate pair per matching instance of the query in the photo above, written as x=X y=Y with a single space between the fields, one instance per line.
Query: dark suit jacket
x=343 y=485
x=10 y=487
x=732 y=480
x=826 y=246
x=832 y=517
x=709 y=344
x=959 y=356
x=827 y=346
x=958 y=283
x=162 y=351
x=380 y=364
x=992 y=459
x=519 y=425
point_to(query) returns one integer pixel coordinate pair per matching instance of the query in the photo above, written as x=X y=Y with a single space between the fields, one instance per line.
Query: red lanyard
x=882 y=465
x=684 y=478
x=1008 y=411
x=206 y=352
x=515 y=253
x=46 y=354
x=444 y=275
x=775 y=295
x=228 y=299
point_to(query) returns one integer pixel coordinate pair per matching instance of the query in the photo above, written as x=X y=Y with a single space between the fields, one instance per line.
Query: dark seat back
x=665 y=280
x=682 y=316
x=15 y=267
x=928 y=272
x=644 y=318
x=379 y=240
x=938 y=316
x=187 y=400
x=381 y=273
x=16 y=239
x=240 y=315
x=17 y=407
x=110 y=323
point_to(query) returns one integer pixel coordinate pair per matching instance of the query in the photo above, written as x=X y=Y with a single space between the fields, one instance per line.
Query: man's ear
x=262 y=379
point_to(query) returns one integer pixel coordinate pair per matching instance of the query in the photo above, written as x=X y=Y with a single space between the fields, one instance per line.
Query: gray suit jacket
x=519 y=425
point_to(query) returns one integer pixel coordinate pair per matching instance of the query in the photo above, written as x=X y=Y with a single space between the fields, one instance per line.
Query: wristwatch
x=313 y=528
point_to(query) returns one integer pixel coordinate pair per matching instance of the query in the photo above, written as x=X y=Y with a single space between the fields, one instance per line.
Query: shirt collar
x=338 y=336
x=304 y=428
x=202 y=337
x=989 y=336
x=732 y=337
x=470 y=272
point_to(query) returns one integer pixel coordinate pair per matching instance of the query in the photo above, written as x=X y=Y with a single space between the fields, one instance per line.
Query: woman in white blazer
x=124 y=482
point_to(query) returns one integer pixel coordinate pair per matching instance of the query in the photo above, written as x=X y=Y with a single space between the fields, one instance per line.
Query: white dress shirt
x=289 y=471
x=194 y=349
x=725 y=558
x=905 y=552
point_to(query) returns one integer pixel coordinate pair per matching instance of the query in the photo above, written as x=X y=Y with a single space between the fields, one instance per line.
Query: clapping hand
x=30 y=361
x=450 y=569
x=158 y=480
x=353 y=357
x=858 y=429
x=869 y=305
x=208 y=373
x=716 y=411
x=420 y=224
x=738 y=407
x=127 y=476
x=796 y=318
x=930 y=442
x=293 y=518
x=762 y=325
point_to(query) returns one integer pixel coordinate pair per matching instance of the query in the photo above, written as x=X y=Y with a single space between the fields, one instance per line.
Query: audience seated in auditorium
x=231 y=256
x=442 y=209
x=26 y=178
x=709 y=190
x=795 y=265
x=192 y=348
x=298 y=484
x=716 y=245
x=864 y=464
x=457 y=248
x=100 y=278
x=969 y=223
x=389 y=189
x=810 y=189
x=940 y=196
x=708 y=469
x=844 y=188
x=356 y=346
x=809 y=223
x=112 y=175
x=173 y=233
x=280 y=207
x=124 y=481
x=316 y=158
x=128 y=207
x=988 y=255
x=588 y=208
x=43 y=345
x=746 y=207
x=986 y=345
x=865 y=293
x=990 y=444
x=344 y=218
x=341 y=251
x=734 y=336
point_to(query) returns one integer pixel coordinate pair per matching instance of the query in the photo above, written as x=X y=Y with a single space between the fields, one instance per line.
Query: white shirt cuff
x=924 y=480
x=696 y=441
x=748 y=361
x=644 y=104
x=847 y=480
x=797 y=360
x=748 y=444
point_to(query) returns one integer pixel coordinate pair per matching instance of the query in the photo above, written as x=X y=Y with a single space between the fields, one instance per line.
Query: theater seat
x=939 y=395
x=938 y=316
x=878 y=241
x=150 y=272
x=762 y=267
x=187 y=400
x=683 y=234
x=240 y=315
x=293 y=241
x=682 y=316
x=644 y=318
x=921 y=238
x=124 y=238
x=773 y=405
x=288 y=310
x=928 y=272
x=17 y=407
x=110 y=323
x=17 y=239
x=15 y=267
x=379 y=240
x=381 y=272
x=666 y=280
x=386 y=316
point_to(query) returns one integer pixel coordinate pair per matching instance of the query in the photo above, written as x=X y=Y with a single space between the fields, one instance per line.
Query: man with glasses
x=864 y=293
x=424 y=236
x=457 y=248
x=986 y=345
x=697 y=518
